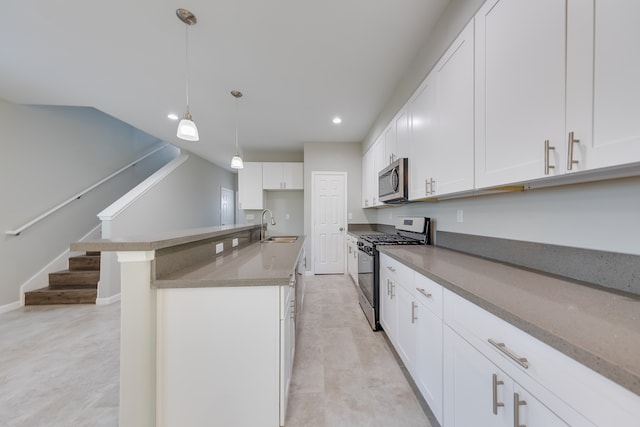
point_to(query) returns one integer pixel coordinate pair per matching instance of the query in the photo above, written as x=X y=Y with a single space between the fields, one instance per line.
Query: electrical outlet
x=219 y=247
x=234 y=243
x=350 y=215
x=287 y=216
x=249 y=217
x=460 y=216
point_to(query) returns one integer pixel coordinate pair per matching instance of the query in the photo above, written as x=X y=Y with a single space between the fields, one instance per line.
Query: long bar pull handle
x=516 y=410
x=570 y=161
x=496 y=404
x=413 y=312
x=522 y=361
x=433 y=185
x=423 y=292
x=547 y=147
x=388 y=287
x=426 y=187
x=393 y=285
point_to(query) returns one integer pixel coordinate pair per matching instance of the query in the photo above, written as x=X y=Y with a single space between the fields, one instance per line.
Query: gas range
x=409 y=231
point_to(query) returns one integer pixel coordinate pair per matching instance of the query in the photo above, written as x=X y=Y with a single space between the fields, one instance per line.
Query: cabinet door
x=250 y=194
x=390 y=144
x=469 y=387
x=428 y=359
x=402 y=133
x=272 y=176
x=520 y=90
x=531 y=411
x=388 y=309
x=603 y=88
x=454 y=142
x=287 y=350
x=367 y=184
x=423 y=131
x=293 y=175
x=379 y=163
x=405 y=326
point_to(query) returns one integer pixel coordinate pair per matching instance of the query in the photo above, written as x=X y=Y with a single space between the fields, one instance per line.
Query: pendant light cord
x=186 y=50
x=236 y=125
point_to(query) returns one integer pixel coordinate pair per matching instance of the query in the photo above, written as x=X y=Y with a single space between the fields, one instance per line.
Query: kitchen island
x=207 y=328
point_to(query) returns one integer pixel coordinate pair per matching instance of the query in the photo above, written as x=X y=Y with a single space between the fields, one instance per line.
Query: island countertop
x=597 y=327
x=257 y=264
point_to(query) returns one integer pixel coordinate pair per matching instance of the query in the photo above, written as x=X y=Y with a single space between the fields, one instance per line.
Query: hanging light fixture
x=236 y=161
x=187 y=129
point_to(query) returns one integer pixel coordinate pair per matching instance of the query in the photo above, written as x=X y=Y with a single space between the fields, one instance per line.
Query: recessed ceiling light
x=172 y=116
x=337 y=120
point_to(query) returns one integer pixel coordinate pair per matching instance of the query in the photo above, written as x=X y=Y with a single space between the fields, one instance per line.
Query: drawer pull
x=423 y=292
x=413 y=312
x=522 y=361
x=391 y=269
x=496 y=404
x=570 y=161
x=547 y=166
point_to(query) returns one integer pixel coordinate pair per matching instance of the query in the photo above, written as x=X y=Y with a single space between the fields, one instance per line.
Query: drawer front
x=428 y=293
x=398 y=272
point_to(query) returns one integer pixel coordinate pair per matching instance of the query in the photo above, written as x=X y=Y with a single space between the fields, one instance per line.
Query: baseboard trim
x=109 y=300
x=10 y=307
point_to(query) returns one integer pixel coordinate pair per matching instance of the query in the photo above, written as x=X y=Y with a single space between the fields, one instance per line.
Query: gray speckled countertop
x=159 y=240
x=258 y=264
x=598 y=328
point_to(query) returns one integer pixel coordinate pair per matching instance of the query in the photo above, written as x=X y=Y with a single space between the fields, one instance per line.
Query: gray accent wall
x=49 y=154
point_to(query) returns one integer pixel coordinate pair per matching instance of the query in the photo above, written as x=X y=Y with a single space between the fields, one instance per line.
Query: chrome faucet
x=262 y=229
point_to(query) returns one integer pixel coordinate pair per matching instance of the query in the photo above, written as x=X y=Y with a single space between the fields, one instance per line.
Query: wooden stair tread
x=46 y=296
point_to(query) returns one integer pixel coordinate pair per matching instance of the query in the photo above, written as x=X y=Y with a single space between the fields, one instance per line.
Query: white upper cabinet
x=454 y=142
x=250 y=193
x=423 y=115
x=402 y=133
x=603 y=85
x=379 y=163
x=283 y=176
x=390 y=144
x=367 y=183
x=520 y=90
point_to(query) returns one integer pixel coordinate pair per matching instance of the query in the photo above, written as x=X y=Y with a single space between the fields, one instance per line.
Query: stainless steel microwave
x=393 y=182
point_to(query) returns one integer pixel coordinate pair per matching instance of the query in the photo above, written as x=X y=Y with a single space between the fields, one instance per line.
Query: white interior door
x=329 y=210
x=227 y=206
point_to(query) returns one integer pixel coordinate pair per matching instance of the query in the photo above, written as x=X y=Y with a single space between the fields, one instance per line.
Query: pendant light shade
x=236 y=161
x=187 y=129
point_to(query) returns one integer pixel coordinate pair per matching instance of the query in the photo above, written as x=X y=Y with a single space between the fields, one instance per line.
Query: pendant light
x=236 y=161
x=187 y=129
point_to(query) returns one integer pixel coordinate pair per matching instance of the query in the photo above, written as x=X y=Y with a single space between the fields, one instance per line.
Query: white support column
x=137 y=341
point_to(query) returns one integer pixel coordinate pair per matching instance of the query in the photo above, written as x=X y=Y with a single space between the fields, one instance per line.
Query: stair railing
x=20 y=229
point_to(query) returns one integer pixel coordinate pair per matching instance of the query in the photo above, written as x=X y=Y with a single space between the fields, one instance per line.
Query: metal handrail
x=19 y=230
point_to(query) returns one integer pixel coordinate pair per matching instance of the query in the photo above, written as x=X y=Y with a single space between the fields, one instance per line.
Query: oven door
x=367 y=285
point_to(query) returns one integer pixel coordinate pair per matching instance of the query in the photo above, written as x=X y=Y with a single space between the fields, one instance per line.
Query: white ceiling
x=299 y=63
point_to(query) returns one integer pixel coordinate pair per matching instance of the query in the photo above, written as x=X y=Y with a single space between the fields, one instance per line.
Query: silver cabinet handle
x=388 y=287
x=423 y=292
x=570 y=161
x=547 y=148
x=433 y=185
x=496 y=404
x=391 y=269
x=413 y=312
x=516 y=410
x=522 y=361
x=393 y=285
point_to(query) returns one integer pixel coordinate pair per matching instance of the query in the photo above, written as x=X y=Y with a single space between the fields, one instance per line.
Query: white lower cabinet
x=478 y=393
x=475 y=369
x=352 y=257
x=224 y=355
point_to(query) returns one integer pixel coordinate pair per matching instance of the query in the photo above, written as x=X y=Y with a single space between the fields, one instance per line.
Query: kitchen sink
x=281 y=239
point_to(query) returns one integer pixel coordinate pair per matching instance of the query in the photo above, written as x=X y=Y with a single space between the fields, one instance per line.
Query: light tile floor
x=59 y=366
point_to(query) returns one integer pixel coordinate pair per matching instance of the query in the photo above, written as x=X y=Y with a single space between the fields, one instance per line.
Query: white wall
x=188 y=197
x=335 y=157
x=48 y=155
x=288 y=210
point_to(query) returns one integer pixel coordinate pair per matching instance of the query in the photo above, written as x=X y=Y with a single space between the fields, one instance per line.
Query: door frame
x=345 y=174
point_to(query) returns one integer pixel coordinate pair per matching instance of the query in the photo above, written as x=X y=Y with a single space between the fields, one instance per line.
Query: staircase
x=77 y=285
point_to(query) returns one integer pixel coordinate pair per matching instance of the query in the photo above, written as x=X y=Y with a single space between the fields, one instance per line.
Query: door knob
x=341 y=228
